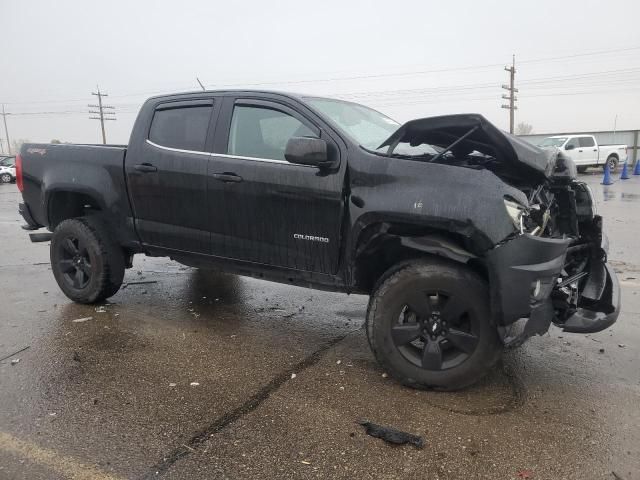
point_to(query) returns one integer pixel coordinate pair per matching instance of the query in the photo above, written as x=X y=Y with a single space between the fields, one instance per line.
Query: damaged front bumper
x=595 y=317
x=524 y=273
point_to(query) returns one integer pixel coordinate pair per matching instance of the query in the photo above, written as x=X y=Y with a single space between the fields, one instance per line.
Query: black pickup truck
x=466 y=238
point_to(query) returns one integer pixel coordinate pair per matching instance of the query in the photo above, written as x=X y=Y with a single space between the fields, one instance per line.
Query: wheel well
x=64 y=205
x=614 y=155
x=386 y=250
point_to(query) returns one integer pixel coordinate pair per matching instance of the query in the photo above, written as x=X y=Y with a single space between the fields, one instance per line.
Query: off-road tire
x=105 y=257
x=431 y=275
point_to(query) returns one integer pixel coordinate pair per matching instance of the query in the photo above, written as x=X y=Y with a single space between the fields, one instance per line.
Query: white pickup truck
x=585 y=151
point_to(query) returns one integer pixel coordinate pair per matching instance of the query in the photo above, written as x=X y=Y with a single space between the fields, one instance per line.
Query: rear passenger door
x=264 y=209
x=167 y=176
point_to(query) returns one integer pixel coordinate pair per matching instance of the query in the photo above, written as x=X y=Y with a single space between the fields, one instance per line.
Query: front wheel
x=612 y=162
x=429 y=325
x=86 y=262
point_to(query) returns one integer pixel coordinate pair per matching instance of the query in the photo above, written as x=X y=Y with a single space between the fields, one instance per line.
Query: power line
x=356 y=77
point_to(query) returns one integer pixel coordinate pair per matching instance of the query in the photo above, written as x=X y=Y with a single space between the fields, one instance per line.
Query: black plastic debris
x=391 y=435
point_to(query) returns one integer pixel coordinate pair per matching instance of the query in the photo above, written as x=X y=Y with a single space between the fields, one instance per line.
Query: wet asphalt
x=203 y=375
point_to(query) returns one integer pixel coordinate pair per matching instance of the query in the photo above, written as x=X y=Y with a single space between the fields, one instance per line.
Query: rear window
x=184 y=127
x=586 y=142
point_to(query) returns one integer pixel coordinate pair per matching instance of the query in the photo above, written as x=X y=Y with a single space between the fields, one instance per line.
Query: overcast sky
x=578 y=62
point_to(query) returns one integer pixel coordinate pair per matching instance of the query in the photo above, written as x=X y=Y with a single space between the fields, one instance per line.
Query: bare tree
x=524 y=128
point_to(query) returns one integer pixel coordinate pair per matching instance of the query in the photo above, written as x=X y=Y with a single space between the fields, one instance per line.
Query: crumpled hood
x=487 y=139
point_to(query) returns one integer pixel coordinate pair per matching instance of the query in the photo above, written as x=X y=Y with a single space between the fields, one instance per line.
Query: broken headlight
x=516 y=212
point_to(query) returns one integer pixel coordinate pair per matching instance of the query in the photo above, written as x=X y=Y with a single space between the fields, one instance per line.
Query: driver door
x=264 y=209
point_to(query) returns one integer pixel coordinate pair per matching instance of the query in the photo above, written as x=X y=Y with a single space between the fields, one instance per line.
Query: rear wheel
x=582 y=169
x=429 y=325
x=612 y=161
x=5 y=178
x=86 y=262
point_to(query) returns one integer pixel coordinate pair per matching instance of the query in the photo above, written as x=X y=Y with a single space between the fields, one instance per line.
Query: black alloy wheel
x=429 y=324
x=74 y=262
x=86 y=261
x=435 y=330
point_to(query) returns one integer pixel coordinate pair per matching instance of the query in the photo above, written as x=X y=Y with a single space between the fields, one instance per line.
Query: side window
x=572 y=141
x=263 y=132
x=587 y=142
x=184 y=127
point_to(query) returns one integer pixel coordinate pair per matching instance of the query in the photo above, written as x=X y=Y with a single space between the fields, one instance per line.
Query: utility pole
x=6 y=130
x=512 y=93
x=103 y=115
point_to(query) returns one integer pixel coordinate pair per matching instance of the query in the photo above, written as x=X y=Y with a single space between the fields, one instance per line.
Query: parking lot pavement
x=206 y=375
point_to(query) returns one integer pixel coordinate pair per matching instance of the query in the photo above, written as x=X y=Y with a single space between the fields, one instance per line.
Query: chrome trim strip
x=239 y=157
x=266 y=160
x=179 y=150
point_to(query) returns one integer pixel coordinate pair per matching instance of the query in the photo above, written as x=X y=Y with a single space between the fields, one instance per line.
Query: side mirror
x=571 y=146
x=307 y=151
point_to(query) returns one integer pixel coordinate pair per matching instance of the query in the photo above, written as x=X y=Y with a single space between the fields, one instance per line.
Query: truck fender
x=439 y=246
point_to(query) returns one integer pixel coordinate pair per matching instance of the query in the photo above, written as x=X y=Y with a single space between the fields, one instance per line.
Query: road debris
x=15 y=361
x=172 y=384
x=391 y=435
x=80 y=320
x=15 y=353
x=304 y=462
x=76 y=357
x=621 y=345
x=601 y=350
x=138 y=282
x=525 y=474
x=194 y=384
x=101 y=309
x=385 y=375
x=293 y=375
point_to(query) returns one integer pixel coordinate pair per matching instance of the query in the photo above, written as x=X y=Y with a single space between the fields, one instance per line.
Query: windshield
x=553 y=142
x=363 y=124
x=8 y=162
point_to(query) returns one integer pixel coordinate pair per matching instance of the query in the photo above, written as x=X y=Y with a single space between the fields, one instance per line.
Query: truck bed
x=88 y=169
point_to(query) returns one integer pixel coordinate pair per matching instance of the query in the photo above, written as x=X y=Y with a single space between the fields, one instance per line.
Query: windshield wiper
x=454 y=143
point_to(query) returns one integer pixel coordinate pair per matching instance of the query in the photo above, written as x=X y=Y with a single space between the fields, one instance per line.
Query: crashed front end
x=553 y=266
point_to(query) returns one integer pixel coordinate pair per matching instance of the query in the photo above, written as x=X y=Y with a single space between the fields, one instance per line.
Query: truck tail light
x=19 y=173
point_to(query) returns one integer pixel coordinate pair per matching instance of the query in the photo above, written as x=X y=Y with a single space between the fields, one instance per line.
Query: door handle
x=580 y=150
x=595 y=149
x=146 y=167
x=227 y=177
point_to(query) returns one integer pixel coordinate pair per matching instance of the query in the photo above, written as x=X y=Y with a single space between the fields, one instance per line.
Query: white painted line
x=65 y=466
